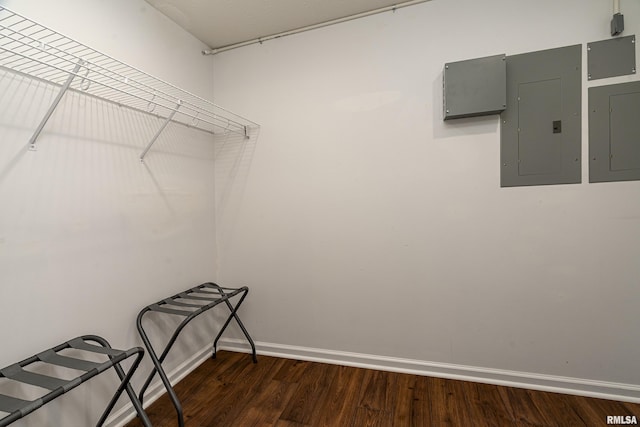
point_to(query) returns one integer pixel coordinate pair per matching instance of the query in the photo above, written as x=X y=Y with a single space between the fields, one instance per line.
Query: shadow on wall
x=24 y=102
x=84 y=197
x=89 y=155
x=234 y=154
x=80 y=119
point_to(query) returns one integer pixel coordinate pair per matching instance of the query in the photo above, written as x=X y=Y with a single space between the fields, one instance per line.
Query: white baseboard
x=556 y=384
x=156 y=389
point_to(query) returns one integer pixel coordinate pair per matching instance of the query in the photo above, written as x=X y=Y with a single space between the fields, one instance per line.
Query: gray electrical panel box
x=611 y=58
x=614 y=132
x=475 y=87
x=541 y=127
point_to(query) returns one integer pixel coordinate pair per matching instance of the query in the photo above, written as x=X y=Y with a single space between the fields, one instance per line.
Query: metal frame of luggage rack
x=208 y=295
x=17 y=408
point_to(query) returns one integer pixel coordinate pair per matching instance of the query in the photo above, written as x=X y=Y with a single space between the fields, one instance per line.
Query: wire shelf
x=32 y=49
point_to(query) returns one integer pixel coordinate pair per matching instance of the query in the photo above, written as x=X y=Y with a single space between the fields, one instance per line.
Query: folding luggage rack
x=208 y=295
x=18 y=408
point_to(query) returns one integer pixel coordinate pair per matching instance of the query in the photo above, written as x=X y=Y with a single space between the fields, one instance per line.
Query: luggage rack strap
x=16 y=373
x=80 y=344
x=17 y=408
x=206 y=292
x=163 y=309
x=13 y=404
x=198 y=298
x=50 y=356
x=170 y=301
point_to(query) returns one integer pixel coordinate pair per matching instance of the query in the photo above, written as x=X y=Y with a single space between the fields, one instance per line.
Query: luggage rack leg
x=157 y=365
x=233 y=314
x=124 y=385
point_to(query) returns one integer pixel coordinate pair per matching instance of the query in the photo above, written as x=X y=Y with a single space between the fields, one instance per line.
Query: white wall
x=88 y=234
x=364 y=223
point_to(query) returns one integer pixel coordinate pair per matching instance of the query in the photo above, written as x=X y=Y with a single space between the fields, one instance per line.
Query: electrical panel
x=614 y=132
x=611 y=58
x=541 y=126
x=474 y=87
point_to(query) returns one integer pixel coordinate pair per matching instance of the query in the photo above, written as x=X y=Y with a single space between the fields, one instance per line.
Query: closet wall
x=365 y=224
x=88 y=234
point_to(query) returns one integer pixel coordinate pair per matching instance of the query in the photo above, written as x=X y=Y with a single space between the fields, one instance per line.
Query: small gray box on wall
x=611 y=58
x=541 y=127
x=614 y=132
x=475 y=87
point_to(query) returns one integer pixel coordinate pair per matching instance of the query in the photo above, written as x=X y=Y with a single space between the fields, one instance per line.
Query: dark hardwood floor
x=232 y=391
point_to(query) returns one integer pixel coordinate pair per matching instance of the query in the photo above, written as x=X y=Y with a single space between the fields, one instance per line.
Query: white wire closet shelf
x=29 y=48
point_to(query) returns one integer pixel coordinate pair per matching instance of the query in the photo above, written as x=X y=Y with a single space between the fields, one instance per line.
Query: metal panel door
x=614 y=132
x=539 y=141
x=624 y=126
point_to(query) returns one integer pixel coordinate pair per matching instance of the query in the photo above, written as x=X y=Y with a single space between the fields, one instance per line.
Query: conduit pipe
x=617 y=22
x=313 y=27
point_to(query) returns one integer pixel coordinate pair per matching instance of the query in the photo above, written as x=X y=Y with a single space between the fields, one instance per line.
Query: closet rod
x=260 y=40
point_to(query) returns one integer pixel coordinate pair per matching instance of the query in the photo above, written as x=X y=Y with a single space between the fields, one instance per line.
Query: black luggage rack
x=203 y=297
x=18 y=408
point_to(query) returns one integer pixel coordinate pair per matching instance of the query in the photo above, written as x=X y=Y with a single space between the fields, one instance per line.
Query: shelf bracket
x=164 y=125
x=52 y=108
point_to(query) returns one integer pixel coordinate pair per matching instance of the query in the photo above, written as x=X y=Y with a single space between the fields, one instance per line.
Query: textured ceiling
x=220 y=23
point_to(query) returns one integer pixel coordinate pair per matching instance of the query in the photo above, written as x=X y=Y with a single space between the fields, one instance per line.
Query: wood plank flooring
x=232 y=391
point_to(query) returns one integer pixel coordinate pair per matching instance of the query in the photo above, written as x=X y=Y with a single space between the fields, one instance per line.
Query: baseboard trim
x=557 y=384
x=156 y=389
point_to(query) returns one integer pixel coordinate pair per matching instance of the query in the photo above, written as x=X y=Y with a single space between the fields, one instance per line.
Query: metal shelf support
x=54 y=105
x=157 y=135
